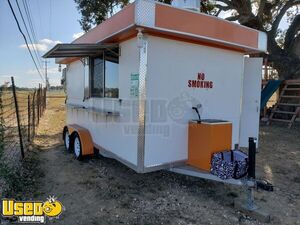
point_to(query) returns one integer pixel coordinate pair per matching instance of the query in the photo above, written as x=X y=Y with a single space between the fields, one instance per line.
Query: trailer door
x=249 y=126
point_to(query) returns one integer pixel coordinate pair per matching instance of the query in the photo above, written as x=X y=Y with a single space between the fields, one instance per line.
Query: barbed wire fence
x=20 y=113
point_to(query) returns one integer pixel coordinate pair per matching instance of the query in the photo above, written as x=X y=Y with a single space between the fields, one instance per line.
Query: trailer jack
x=250 y=208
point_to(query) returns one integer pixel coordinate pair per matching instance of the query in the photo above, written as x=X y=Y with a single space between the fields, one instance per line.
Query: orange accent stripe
x=203 y=25
x=119 y=21
x=68 y=60
x=189 y=39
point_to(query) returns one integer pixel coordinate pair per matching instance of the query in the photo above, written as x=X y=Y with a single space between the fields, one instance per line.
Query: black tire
x=77 y=147
x=67 y=140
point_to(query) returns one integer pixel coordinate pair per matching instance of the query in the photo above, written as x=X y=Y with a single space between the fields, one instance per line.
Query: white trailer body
x=164 y=69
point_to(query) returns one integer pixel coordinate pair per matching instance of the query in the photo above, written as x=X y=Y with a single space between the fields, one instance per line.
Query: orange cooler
x=206 y=138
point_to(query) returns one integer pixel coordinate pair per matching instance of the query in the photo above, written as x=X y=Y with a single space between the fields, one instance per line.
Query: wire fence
x=20 y=112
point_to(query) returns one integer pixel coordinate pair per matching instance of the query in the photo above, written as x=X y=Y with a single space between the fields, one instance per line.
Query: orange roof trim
x=200 y=24
x=174 y=23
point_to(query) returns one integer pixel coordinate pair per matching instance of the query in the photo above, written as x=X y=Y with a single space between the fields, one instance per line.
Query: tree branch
x=217 y=13
x=223 y=7
x=233 y=18
x=292 y=32
x=229 y=3
x=261 y=8
x=282 y=12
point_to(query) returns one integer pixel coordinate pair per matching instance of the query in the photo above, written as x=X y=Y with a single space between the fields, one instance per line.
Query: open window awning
x=79 y=50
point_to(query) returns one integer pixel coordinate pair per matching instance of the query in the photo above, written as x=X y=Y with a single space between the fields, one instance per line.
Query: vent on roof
x=187 y=4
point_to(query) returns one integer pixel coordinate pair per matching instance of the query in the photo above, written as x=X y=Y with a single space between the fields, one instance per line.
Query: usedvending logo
x=32 y=211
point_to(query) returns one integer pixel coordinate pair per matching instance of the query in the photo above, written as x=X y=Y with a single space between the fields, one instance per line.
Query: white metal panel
x=170 y=65
x=187 y=4
x=86 y=78
x=145 y=13
x=262 y=41
x=143 y=66
x=117 y=134
x=251 y=100
x=75 y=82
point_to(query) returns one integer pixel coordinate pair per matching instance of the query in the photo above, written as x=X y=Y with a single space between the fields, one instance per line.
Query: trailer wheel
x=77 y=146
x=67 y=140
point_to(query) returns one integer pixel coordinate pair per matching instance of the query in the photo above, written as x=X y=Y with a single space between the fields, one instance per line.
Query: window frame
x=91 y=76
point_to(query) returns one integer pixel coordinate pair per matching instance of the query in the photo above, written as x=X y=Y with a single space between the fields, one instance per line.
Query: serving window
x=104 y=75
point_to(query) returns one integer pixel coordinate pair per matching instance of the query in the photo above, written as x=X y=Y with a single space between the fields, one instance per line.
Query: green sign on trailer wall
x=134 y=85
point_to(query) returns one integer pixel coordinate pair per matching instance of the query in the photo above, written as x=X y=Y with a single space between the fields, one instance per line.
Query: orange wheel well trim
x=85 y=138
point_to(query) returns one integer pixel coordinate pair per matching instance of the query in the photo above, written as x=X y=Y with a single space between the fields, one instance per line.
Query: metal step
x=281 y=120
x=292 y=84
x=194 y=172
x=290 y=96
x=285 y=112
x=291 y=89
x=288 y=104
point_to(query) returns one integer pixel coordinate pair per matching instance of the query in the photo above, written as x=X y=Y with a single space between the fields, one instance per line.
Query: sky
x=54 y=21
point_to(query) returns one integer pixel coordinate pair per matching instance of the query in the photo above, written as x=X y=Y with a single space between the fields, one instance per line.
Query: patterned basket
x=229 y=164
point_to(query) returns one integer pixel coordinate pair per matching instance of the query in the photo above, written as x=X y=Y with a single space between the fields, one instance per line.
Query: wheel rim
x=77 y=148
x=67 y=140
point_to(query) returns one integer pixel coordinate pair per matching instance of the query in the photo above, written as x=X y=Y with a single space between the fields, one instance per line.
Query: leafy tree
x=264 y=15
x=96 y=11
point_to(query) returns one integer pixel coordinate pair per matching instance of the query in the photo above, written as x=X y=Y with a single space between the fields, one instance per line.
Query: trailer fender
x=85 y=138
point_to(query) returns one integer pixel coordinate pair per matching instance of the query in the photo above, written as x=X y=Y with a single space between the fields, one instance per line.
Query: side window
x=86 y=63
x=64 y=79
x=97 y=76
x=104 y=72
x=111 y=76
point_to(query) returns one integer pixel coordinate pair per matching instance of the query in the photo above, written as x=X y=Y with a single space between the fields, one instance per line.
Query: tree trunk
x=286 y=66
x=285 y=61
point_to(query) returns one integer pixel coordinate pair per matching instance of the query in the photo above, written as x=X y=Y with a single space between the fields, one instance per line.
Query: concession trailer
x=161 y=86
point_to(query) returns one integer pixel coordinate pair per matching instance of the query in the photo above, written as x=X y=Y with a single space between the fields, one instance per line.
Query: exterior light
x=140 y=38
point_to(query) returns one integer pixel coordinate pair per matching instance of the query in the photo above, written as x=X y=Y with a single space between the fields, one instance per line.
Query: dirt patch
x=103 y=191
x=49 y=132
x=279 y=162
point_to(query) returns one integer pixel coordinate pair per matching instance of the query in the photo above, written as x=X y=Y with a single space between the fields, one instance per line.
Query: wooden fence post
x=2 y=131
x=45 y=98
x=38 y=105
x=28 y=107
x=40 y=102
x=17 y=114
x=33 y=112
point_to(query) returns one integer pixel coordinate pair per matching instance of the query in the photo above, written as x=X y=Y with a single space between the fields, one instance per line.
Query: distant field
x=56 y=94
x=8 y=104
